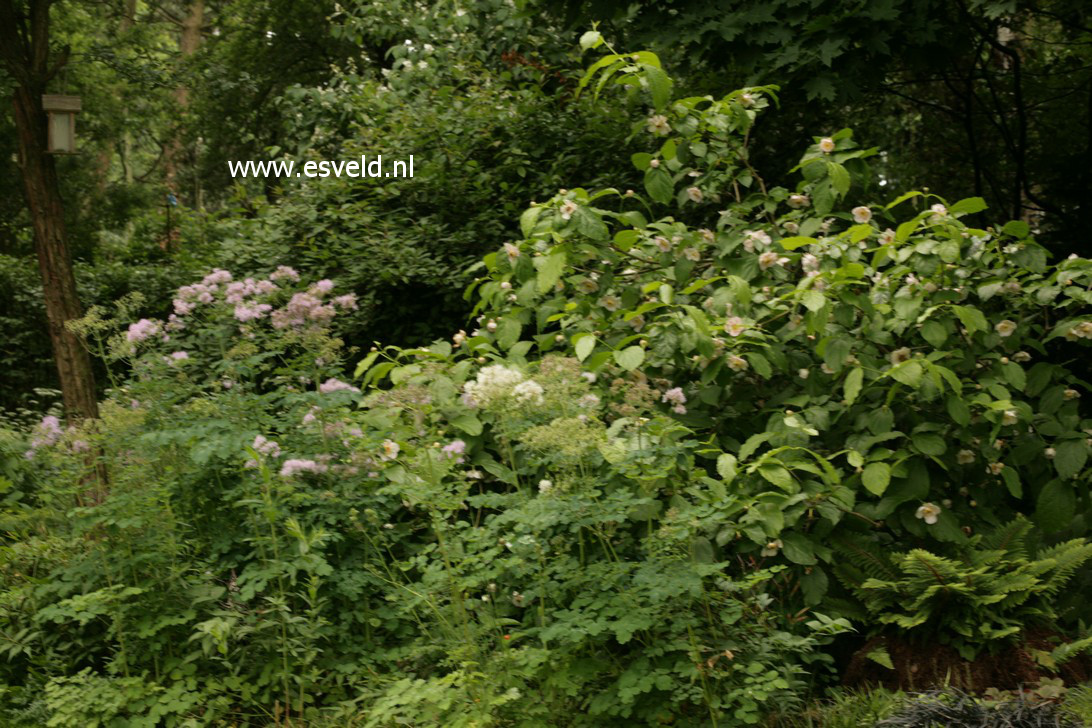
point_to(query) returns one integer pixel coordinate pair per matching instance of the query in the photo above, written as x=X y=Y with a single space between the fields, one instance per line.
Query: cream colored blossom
x=772 y=547
x=826 y=145
x=657 y=124
x=1005 y=328
x=861 y=215
x=965 y=457
x=568 y=207
x=737 y=363
x=898 y=356
x=694 y=194
x=928 y=512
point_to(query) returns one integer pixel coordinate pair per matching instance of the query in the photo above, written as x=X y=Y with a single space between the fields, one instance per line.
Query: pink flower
x=294 y=466
x=455 y=449
x=324 y=286
x=266 y=447
x=336 y=385
x=674 y=396
x=283 y=271
x=348 y=301
x=179 y=355
x=141 y=330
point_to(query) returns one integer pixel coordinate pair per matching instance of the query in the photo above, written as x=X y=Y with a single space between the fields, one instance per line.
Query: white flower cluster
x=497 y=381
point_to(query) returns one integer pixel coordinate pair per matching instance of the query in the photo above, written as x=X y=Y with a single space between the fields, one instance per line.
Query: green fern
x=986 y=595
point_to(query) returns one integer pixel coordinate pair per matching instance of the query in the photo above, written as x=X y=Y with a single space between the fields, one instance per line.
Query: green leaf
x=550 y=268
x=776 y=474
x=365 y=364
x=630 y=358
x=797 y=549
x=958 y=410
x=726 y=466
x=814 y=584
x=626 y=239
x=880 y=656
x=813 y=300
x=876 y=477
x=641 y=160
x=759 y=363
x=590 y=224
x=968 y=206
x=584 y=344
x=1056 y=506
x=659 y=185
x=659 y=85
x=1014 y=375
x=528 y=219
x=935 y=333
x=1070 y=456
x=852 y=385
x=839 y=178
x=1012 y=482
x=469 y=424
x=508 y=331
x=795 y=242
x=971 y=318
x=1017 y=229
x=908 y=373
x=929 y=443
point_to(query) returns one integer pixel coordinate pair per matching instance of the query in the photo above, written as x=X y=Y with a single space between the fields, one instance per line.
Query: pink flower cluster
x=455 y=449
x=141 y=330
x=336 y=385
x=266 y=447
x=296 y=466
x=47 y=433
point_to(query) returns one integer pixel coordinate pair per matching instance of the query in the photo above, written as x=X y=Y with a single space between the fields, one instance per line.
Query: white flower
x=826 y=145
x=754 y=239
x=568 y=207
x=657 y=124
x=887 y=237
x=610 y=302
x=803 y=373
x=1071 y=394
x=655 y=164
x=694 y=194
x=735 y=326
x=861 y=214
x=528 y=391
x=737 y=363
x=826 y=368
x=965 y=457
x=898 y=356
x=590 y=376
x=512 y=251
x=745 y=99
x=798 y=201
x=390 y=450
x=545 y=486
x=1009 y=417
x=769 y=259
x=492 y=383
x=810 y=263
x=1049 y=453
x=692 y=254
x=662 y=243
x=995 y=468
x=928 y=512
x=772 y=547
x=1005 y=328
x=939 y=209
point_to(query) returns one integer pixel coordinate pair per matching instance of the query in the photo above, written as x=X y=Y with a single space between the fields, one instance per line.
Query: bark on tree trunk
x=58 y=282
x=26 y=54
x=188 y=43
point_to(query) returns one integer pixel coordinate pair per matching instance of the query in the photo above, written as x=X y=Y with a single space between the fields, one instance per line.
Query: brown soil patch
x=923 y=667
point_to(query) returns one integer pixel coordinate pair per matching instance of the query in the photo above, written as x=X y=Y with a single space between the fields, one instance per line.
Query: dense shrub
x=634 y=494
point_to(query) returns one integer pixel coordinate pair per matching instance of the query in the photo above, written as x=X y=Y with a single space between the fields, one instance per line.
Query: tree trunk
x=31 y=71
x=188 y=43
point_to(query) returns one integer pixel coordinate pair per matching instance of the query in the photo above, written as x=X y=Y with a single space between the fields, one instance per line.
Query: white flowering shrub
x=885 y=378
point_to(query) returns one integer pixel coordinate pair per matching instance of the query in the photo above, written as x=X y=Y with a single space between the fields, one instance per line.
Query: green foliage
x=992 y=591
x=619 y=499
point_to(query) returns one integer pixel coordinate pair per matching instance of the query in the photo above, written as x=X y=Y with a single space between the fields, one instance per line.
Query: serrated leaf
x=908 y=373
x=584 y=345
x=1069 y=457
x=630 y=358
x=876 y=477
x=929 y=443
x=852 y=385
x=469 y=424
x=726 y=466
x=958 y=410
x=935 y=333
x=776 y=474
x=1055 y=506
x=795 y=242
x=528 y=219
x=550 y=268
x=968 y=206
x=797 y=549
x=659 y=185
